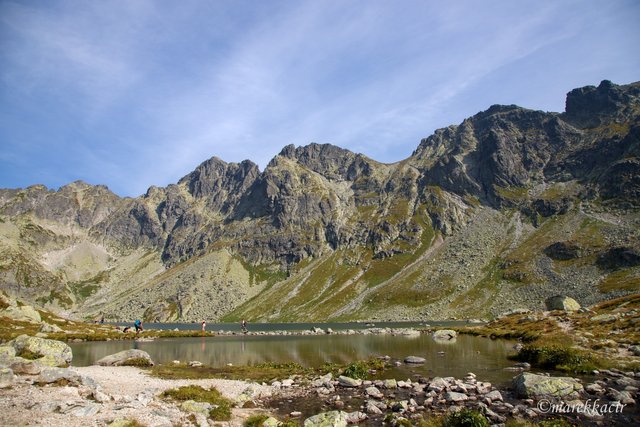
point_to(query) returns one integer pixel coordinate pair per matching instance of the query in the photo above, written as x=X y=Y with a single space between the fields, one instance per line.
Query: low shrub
x=466 y=418
x=557 y=357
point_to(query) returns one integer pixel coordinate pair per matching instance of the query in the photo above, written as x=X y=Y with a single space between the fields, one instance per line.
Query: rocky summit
x=499 y=213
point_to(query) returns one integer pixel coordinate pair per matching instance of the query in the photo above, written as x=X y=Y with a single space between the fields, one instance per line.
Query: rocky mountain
x=497 y=213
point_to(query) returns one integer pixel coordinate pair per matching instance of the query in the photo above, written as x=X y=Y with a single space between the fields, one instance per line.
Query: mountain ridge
x=322 y=202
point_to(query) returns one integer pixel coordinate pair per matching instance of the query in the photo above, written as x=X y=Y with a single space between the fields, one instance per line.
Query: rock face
x=24 y=313
x=421 y=233
x=44 y=351
x=560 y=302
x=127 y=357
x=534 y=386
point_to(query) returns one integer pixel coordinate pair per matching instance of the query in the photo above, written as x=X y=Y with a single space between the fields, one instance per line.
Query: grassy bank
x=594 y=338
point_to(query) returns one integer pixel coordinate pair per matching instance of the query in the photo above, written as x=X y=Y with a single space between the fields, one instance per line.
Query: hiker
x=138 y=325
x=204 y=325
x=244 y=326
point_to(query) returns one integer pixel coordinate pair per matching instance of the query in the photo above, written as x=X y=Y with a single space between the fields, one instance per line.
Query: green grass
x=222 y=411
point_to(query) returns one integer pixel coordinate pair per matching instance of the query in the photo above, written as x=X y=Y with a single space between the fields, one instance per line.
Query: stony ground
x=131 y=394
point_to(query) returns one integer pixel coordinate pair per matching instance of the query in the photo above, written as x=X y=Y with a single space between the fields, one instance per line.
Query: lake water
x=485 y=357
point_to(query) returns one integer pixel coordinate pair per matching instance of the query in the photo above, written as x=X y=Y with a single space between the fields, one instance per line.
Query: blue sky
x=136 y=93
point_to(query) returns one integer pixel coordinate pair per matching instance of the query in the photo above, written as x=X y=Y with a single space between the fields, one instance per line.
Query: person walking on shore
x=244 y=326
x=204 y=326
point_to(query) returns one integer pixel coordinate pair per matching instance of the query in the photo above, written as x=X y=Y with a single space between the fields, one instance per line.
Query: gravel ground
x=132 y=396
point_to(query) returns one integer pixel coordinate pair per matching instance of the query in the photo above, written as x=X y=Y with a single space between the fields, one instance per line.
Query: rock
x=24 y=313
x=401 y=406
x=295 y=414
x=371 y=408
x=127 y=357
x=6 y=377
x=195 y=364
x=444 y=335
x=349 y=382
x=88 y=410
x=437 y=385
x=287 y=383
x=623 y=397
x=271 y=422
x=560 y=302
x=327 y=419
x=494 y=396
x=25 y=367
x=452 y=396
x=605 y=318
x=58 y=375
x=534 y=386
x=374 y=392
x=635 y=349
x=48 y=328
x=414 y=360
x=390 y=384
x=46 y=352
x=194 y=407
x=356 y=417
x=594 y=388
x=7 y=353
x=563 y=251
x=619 y=257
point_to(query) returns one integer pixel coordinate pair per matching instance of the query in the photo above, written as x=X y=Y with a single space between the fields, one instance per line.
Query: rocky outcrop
x=24 y=313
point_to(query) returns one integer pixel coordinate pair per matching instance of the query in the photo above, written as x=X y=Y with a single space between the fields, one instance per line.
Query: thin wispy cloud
x=133 y=94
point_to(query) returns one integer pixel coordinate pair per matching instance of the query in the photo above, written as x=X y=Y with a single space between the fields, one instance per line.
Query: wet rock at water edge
x=127 y=357
x=444 y=335
x=414 y=360
x=349 y=382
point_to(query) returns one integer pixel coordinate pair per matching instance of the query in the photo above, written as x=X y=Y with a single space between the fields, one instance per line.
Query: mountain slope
x=499 y=212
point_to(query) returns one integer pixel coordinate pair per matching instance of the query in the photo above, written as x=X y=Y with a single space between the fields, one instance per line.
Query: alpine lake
x=485 y=357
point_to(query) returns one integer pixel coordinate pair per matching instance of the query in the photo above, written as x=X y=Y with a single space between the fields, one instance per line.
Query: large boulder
x=24 y=313
x=534 y=386
x=328 y=419
x=563 y=303
x=127 y=358
x=563 y=251
x=44 y=351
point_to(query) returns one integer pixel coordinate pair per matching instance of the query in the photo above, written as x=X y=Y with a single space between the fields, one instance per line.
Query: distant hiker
x=204 y=325
x=102 y=319
x=244 y=326
x=138 y=325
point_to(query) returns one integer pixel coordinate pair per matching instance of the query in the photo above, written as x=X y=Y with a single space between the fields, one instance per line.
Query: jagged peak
x=589 y=106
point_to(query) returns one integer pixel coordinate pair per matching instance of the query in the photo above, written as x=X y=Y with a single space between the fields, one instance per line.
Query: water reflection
x=485 y=357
